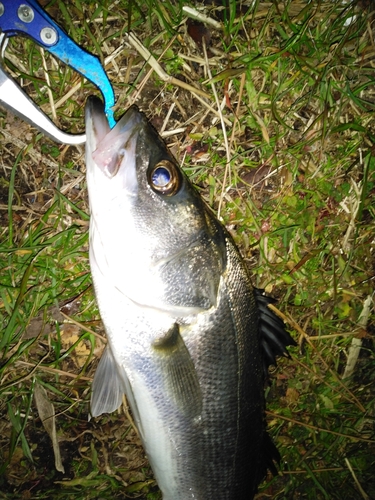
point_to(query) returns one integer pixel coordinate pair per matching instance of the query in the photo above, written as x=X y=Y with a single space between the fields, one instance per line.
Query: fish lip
x=131 y=121
x=109 y=147
x=132 y=112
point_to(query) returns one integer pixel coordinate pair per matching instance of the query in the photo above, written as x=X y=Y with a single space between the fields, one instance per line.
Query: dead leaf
x=70 y=334
x=46 y=412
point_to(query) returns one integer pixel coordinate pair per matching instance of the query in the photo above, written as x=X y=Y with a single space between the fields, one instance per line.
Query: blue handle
x=27 y=17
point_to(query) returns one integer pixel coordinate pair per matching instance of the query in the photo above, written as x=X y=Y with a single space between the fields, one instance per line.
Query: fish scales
x=184 y=330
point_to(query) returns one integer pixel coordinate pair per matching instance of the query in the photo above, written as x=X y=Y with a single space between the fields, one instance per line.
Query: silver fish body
x=181 y=317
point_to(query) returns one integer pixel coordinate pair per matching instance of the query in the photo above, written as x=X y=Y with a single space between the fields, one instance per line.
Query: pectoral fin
x=107 y=387
x=180 y=376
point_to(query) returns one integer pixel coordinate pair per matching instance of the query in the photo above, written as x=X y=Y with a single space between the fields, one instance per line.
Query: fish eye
x=164 y=178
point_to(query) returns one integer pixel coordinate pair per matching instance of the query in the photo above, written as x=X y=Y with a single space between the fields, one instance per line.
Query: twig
x=364 y=495
x=220 y=112
x=47 y=369
x=318 y=429
x=356 y=344
x=49 y=91
x=195 y=14
x=150 y=59
x=83 y=327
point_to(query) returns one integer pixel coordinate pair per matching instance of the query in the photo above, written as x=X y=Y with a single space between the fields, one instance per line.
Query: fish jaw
x=109 y=154
x=115 y=241
x=111 y=181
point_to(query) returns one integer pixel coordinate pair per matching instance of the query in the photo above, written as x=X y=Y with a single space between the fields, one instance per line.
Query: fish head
x=150 y=230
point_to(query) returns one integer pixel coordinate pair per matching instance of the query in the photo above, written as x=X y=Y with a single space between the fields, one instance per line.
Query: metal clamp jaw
x=28 y=18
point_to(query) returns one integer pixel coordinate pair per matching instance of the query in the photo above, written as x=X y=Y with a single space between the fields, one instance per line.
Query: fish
x=189 y=338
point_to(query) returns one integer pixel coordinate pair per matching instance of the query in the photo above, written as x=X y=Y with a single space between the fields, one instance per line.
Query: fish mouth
x=110 y=149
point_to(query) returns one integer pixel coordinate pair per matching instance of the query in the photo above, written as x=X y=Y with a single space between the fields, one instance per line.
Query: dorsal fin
x=274 y=341
x=274 y=337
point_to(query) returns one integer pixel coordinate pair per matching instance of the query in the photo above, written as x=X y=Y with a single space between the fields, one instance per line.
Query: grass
x=292 y=175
